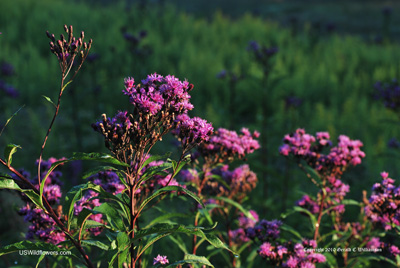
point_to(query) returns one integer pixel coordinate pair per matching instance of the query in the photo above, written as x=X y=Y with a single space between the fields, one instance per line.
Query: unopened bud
x=82 y=34
x=66 y=28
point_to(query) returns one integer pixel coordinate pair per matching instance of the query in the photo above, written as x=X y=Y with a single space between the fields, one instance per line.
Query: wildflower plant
x=105 y=211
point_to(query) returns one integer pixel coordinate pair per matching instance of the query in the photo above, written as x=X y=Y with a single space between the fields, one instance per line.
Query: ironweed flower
x=160 y=260
x=226 y=145
x=157 y=102
x=287 y=254
x=383 y=206
x=303 y=146
x=192 y=131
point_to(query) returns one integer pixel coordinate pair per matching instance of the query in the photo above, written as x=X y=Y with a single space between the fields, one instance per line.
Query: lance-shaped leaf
x=154 y=158
x=100 y=157
x=113 y=216
x=169 y=189
x=161 y=230
x=9 y=151
x=95 y=243
x=76 y=193
x=155 y=170
x=9 y=119
x=193 y=259
x=12 y=185
x=28 y=245
x=237 y=205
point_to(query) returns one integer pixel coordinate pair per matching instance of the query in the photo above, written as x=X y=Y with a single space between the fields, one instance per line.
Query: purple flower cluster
x=375 y=244
x=383 y=207
x=193 y=131
x=158 y=101
x=291 y=255
x=265 y=230
x=160 y=260
x=309 y=148
x=389 y=93
x=158 y=93
x=42 y=226
x=239 y=235
x=227 y=145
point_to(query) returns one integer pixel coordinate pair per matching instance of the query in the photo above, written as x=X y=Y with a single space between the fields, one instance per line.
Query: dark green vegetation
x=332 y=74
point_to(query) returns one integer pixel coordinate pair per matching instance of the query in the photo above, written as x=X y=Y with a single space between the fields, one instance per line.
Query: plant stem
x=317 y=225
x=50 y=127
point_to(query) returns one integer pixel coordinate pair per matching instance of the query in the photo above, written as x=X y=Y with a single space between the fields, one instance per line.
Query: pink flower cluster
x=158 y=93
x=309 y=148
x=292 y=256
x=160 y=260
x=383 y=206
x=193 y=131
x=226 y=145
x=239 y=235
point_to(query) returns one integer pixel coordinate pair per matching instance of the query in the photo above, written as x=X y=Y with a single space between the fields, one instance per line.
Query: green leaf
x=169 y=189
x=289 y=229
x=237 y=205
x=165 y=217
x=76 y=193
x=97 y=170
x=95 y=243
x=190 y=258
x=155 y=170
x=12 y=185
x=123 y=242
x=49 y=100
x=154 y=158
x=40 y=260
x=177 y=167
x=9 y=151
x=9 y=119
x=295 y=209
x=79 y=156
x=162 y=230
x=28 y=245
x=330 y=259
x=113 y=216
x=350 y=202
x=179 y=242
x=65 y=86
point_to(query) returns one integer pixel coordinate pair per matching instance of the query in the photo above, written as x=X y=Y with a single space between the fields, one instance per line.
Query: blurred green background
x=330 y=55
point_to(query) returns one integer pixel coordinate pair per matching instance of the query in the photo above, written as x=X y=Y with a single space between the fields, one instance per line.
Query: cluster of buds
x=66 y=49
